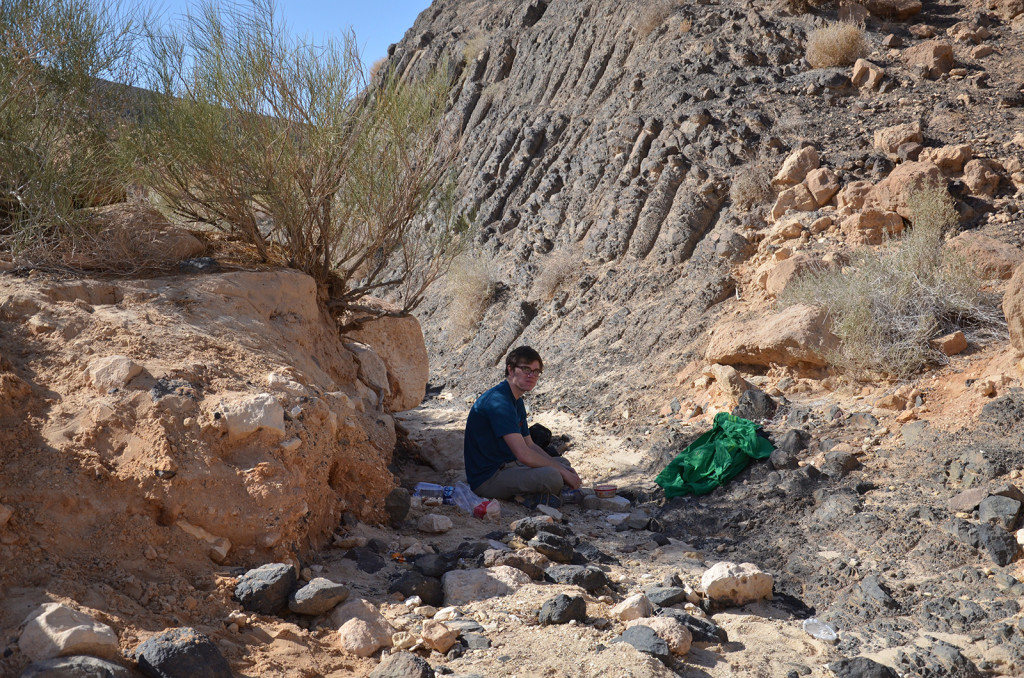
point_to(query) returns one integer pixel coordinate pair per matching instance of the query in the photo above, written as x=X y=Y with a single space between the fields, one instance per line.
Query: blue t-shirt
x=496 y=413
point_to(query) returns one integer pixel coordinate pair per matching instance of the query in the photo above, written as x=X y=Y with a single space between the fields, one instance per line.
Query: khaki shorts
x=517 y=478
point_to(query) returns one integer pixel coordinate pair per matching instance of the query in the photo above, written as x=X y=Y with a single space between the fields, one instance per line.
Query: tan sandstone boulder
x=949 y=159
x=990 y=258
x=893 y=193
x=982 y=177
x=889 y=139
x=797 y=337
x=1013 y=308
x=788 y=270
x=399 y=343
x=823 y=184
x=933 y=57
x=796 y=166
x=870 y=226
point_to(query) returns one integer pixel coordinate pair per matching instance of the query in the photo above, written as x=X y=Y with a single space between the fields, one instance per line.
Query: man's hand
x=569 y=477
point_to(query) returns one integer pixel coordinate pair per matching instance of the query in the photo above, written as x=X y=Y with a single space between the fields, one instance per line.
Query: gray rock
x=464 y=625
x=588 y=577
x=588 y=553
x=999 y=510
x=562 y=609
x=415 y=584
x=402 y=665
x=666 y=596
x=76 y=667
x=801 y=481
x=265 y=589
x=181 y=653
x=476 y=641
x=435 y=564
x=794 y=441
x=527 y=528
x=968 y=500
x=755 y=405
x=839 y=463
x=861 y=667
x=644 y=639
x=1001 y=545
x=1007 y=490
x=863 y=420
x=783 y=459
x=397 y=505
x=703 y=630
x=367 y=560
x=937 y=658
x=637 y=520
x=317 y=597
x=553 y=546
x=875 y=590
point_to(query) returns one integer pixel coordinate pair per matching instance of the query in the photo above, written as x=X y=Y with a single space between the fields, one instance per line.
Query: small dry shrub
x=654 y=13
x=557 y=270
x=473 y=48
x=838 y=44
x=471 y=285
x=751 y=185
x=891 y=301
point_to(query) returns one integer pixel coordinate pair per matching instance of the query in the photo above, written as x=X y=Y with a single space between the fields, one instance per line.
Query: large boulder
x=398 y=340
x=889 y=139
x=466 y=586
x=736 y=584
x=55 y=630
x=991 y=258
x=798 y=337
x=788 y=270
x=932 y=57
x=870 y=226
x=893 y=193
x=796 y=166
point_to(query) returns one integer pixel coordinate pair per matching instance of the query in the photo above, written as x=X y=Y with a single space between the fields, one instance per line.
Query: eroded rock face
x=222 y=403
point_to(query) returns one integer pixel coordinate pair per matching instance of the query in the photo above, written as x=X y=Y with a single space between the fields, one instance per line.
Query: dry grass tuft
x=751 y=185
x=654 y=13
x=803 y=6
x=890 y=302
x=558 y=269
x=471 y=286
x=838 y=44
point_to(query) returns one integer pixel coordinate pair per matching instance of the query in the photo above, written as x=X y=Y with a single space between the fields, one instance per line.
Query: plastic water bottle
x=432 y=494
x=820 y=630
x=466 y=499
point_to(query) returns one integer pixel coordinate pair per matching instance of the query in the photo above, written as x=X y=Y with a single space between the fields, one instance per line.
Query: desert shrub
x=837 y=44
x=652 y=14
x=280 y=143
x=555 y=271
x=891 y=301
x=471 y=283
x=473 y=48
x=58 y=150
x=751 y=185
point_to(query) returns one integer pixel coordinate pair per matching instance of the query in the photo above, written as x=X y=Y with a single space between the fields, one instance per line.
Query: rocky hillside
x=614 y=156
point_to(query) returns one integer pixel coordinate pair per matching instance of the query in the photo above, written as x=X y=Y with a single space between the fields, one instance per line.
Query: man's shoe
x=532 y=501
x=571 y=496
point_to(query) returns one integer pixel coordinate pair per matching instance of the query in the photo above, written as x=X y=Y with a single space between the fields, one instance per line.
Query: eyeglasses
x=528 y=372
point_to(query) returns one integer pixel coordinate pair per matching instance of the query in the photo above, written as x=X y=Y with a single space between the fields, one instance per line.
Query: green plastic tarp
x=715 y=458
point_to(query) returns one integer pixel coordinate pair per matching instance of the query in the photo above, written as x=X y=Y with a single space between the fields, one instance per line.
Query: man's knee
x=549 y=480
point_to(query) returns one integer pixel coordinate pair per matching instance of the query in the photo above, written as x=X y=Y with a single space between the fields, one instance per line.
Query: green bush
x=888 y=304
x=280 y=143
x=59 y=123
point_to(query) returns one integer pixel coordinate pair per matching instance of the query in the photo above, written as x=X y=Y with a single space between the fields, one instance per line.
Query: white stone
x=113 y=371
x=466 y=586
x=434 y=523
x=678 y=637
x=447 y=614
x=245 y=414
x=553 y=513
x=636 y=606
x=437 y=636
x=362 y=630
x=219 y=546
x=278 y=381
x=55 y=630
x=403 y=640
x=616 y=503
x=616 y=519
x=736 y=584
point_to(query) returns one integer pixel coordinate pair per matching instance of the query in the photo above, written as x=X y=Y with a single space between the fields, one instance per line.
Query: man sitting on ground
x=502 y=460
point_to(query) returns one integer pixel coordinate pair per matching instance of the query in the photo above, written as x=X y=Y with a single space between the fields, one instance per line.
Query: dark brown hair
x=524 y=355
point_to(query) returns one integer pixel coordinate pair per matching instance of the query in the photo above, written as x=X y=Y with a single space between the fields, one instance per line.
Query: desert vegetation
x=277 y=144
x=751 y=185
x=836 y=44
x=471 y=285
x=59 y=142
x=890 y=301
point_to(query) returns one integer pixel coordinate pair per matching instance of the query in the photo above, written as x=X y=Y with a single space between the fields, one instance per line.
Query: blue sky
x=376 y=25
